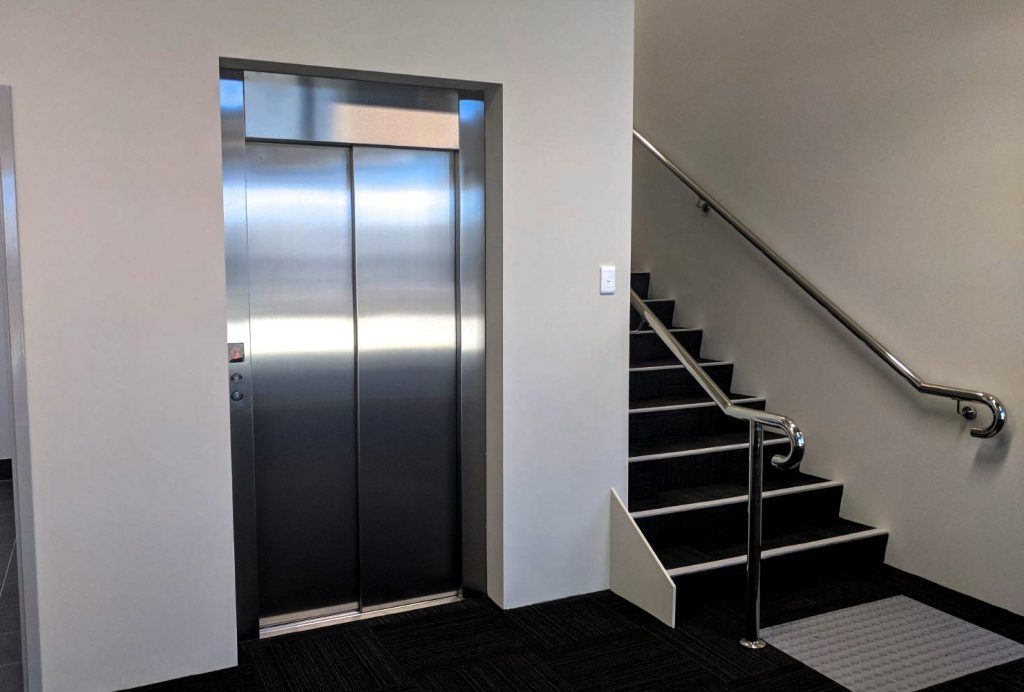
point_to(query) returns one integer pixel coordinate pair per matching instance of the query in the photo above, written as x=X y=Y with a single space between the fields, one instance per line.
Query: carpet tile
x=592 y=642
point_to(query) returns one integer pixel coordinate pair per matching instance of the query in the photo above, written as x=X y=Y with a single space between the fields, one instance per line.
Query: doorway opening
x=19 y=621
x=354 y=247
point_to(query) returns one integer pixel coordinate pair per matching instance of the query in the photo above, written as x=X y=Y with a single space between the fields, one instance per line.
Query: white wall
x=118 y=152
x=879 y=146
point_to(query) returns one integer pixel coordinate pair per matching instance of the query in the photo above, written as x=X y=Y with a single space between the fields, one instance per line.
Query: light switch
x=607 y=279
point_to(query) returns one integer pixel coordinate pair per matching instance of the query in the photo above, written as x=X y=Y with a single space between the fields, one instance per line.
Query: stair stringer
x=635 y=572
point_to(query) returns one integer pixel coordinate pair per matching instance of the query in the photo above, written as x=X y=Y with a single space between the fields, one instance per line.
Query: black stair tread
x=660 y=362
x=685 y=400
x=722 y=547
x=697 y=442
x=719 y=491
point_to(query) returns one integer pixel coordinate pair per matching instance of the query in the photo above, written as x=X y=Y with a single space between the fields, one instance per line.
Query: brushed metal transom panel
x=348 y=111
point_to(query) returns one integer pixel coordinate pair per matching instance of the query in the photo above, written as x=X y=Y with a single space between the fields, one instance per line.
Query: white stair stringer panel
x=635 y=573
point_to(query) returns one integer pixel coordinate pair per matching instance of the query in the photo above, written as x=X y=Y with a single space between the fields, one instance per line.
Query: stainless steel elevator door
x=407 y=338
x=298 y=203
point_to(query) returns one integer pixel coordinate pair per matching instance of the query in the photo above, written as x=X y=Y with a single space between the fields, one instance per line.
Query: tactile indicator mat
x=896 y=644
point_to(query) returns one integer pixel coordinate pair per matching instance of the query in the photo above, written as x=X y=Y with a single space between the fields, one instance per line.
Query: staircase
x=688 y=476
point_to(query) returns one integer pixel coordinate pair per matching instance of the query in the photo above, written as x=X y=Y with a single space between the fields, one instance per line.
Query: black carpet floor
x=10 y=613
x=593 y=642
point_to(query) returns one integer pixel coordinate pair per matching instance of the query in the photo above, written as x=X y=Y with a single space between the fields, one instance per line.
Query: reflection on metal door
x=405 y=277
x=298 y=201
x=354 y=418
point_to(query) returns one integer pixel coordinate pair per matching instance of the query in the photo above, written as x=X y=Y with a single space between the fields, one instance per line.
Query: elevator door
x=298 y=202
x=405 y=297
x=353 y=339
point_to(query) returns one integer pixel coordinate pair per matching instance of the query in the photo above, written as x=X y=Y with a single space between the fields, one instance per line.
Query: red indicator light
x=236 y=353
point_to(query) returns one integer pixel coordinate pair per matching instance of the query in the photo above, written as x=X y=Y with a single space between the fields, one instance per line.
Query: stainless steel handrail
x=758 y=420
x=708 y=202
x=772 y=420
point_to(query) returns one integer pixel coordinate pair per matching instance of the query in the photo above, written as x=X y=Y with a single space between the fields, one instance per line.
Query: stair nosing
x=704 y=450
x=695 y=404
x=652 y=368
x=735 y=499
x=777 y=552
x=671 y=329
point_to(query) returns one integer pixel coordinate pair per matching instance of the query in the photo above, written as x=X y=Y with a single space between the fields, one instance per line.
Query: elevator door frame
x=470 y=350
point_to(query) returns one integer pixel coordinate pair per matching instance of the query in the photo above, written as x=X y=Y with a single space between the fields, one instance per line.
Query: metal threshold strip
x=338 y=618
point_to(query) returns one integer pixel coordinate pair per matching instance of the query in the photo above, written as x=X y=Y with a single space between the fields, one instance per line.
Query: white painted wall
x=118 y=152
x=880 y=147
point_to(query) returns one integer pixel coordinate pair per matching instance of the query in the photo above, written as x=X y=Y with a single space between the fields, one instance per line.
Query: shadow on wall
x=993 y=453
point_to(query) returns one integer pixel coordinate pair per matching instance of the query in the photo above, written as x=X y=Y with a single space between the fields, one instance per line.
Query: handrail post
x=758 y=419
x=752 y=626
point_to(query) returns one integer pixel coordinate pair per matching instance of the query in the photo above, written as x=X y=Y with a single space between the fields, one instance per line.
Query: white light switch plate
x=607 y=279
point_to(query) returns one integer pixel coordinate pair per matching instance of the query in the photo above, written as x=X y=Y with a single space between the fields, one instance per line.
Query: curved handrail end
x=785 y=425
x=998 y=410
x=797 y=444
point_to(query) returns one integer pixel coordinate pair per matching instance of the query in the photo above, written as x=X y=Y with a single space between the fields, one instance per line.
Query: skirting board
x=635 y=573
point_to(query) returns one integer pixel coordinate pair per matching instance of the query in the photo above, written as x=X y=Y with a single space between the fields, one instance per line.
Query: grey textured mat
x=893 y=644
